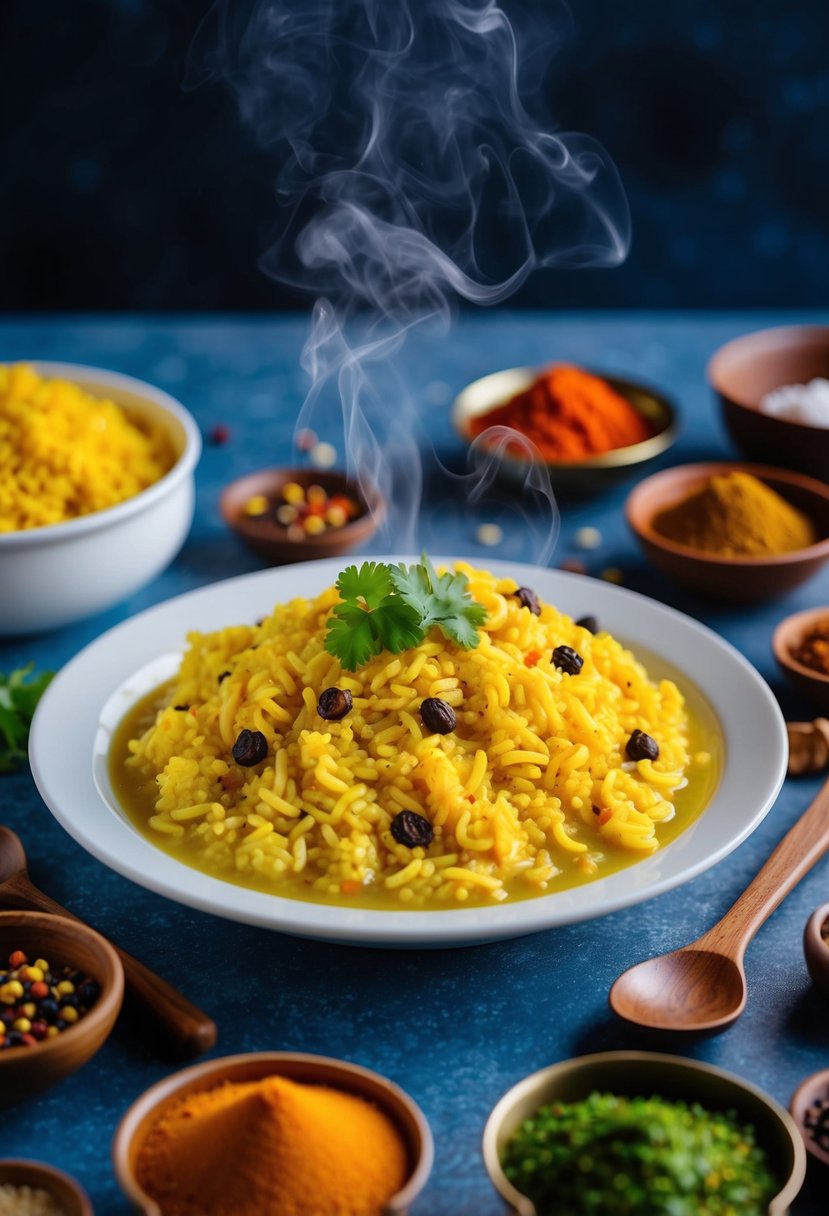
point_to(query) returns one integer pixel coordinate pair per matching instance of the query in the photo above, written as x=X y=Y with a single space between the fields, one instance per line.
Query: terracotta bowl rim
x=373 y=502
x=42 y=1169
x=812 y=932
x=616 y=458
x=808 y=335
x=108 y=1004
x=798 y=622
x=767 y=473
x=179 y=1081
x=808 y=1083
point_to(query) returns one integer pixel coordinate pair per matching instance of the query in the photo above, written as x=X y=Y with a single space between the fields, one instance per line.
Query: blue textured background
x=122 y=190
x=455 y=1028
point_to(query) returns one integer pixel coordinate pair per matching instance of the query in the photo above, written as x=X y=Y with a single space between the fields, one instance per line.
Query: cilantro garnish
x=18 y=698
x=394 y=607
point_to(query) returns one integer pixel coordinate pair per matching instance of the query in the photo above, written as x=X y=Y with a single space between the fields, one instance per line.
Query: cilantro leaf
x=19 y=696
x=393 y=608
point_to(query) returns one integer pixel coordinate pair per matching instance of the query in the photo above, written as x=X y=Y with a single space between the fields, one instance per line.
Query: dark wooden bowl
x=740 y=580
x=814 y=1089
x=743 y=371
x=68 y=1195
x=786 y=638
x=25 y=1071
x=816 y=949
x=270 y=540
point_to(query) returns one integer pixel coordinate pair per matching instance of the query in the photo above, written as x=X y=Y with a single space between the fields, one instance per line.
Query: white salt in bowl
x=60 y=573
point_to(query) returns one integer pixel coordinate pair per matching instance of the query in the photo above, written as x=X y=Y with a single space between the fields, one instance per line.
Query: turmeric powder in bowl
x=65 y=453
x=272 y=1147
x=734 y=514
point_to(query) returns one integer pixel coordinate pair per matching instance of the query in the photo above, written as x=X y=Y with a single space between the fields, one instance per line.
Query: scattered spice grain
x=813 y=650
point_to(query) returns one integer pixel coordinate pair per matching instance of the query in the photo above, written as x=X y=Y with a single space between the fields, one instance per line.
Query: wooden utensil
x=702 y=986
x=188 y=1029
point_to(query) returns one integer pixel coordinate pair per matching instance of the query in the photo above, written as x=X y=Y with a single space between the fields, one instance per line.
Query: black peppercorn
x=528 y=599
x=411 y=829
x=589 y=623
x=641 y=746
x=334 y=703
x=437 y=716
x=250 y=748
x=568 y=660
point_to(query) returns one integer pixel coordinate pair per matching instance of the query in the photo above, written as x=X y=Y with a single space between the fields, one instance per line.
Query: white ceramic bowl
x=57 y=574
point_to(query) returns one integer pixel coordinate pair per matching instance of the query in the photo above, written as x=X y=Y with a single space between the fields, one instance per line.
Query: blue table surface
x=455 y=1028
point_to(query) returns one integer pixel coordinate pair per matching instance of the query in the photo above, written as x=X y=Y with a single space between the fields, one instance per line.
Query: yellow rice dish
x=533 y=789
x=64 y=453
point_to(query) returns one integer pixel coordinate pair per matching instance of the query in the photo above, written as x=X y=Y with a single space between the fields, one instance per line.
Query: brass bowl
x=591 y=476
x=637 y=1073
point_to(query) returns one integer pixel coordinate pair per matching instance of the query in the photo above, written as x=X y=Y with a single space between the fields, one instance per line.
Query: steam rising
x=410 y=172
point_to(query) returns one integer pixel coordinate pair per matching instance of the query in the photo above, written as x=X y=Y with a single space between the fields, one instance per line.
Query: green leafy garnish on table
x=393 y=607
x=19 y=695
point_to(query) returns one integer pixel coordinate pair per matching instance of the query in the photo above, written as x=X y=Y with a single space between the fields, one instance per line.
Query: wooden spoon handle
x=189 y=1031
x=800 y=848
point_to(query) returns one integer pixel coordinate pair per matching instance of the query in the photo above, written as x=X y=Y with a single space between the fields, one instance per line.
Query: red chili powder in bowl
x=570 y=415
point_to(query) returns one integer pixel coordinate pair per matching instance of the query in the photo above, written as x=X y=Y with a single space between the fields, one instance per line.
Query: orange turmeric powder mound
x=273 y=1147
x=569 y=414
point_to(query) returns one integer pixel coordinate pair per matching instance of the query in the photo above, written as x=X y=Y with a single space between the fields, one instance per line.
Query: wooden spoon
x=189 y=1030
x=702 y=986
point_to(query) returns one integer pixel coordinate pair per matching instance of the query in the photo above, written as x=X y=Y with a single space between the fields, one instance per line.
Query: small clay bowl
x=643 y=1073
x=739 y=580
x=816 y=949
x=68 y=1195
x=786 y=638
x=572 y=477
x=814 y=1089
x=269 y=539
x=25 y=1071
x=744 y=370
x=313 y=1070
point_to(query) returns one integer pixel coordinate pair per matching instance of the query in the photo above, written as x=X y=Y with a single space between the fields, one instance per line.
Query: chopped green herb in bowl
x=20 y=692
x=618 y=1156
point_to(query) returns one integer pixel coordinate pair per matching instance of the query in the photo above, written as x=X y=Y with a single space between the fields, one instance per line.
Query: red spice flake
x=230 y=781
x=604 y=815
x=531 y=658
x=219 y=435
x=349 y=887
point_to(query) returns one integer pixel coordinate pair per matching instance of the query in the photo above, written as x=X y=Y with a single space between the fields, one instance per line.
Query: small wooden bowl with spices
x=801 y=647
x=269 y=1132
x=590 y=430
x=741 y=533
x=32 y=1186
x=298 y=515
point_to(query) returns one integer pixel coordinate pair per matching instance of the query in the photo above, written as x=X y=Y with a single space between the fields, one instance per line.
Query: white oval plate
x=74 y=722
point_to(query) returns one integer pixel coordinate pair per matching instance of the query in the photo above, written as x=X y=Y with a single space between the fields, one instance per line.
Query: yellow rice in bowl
x=532 y=782
x=65 y=453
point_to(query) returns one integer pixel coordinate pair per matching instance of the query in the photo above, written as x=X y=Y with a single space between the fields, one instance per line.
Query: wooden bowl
x=740 y=580
x=814 y=1089
x=743 y=371
x=786 y=638
x=270 y=540
x=25 y=1071
x=68 y=1195
x=591 y=476
x=320 y=1070
x=642 y=1073
x=816 y=949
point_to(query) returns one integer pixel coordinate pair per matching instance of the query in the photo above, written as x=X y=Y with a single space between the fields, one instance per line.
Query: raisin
x=334 y=703
x=589 y=623
x=223 y=676
x=437 y=716
x=528 y=599
x=411 y=829
x=250 y=748
x=641 y=746
x=568 y=660
x=181 y=708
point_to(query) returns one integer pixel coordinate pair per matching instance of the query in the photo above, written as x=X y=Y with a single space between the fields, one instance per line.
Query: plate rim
x=83 y=813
